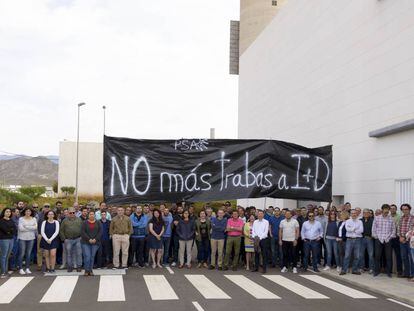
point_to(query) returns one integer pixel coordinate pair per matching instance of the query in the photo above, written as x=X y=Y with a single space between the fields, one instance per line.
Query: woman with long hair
x=7 y=232
x=49 y=243
x=156 y=229
x=91 y=233
x=331 y=241
x=27 y=232
x=203 y=228
x=248 y=240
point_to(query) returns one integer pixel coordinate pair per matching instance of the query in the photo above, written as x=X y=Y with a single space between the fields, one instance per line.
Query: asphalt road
x=148 y=289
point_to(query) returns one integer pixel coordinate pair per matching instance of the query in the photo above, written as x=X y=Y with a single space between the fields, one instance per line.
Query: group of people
x=82 y=237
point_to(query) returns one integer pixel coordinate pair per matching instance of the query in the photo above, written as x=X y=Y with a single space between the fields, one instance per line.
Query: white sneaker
x=326 y=268
x=338 y=269
x=28 y=271
x=295 y=270
x=62 y=267
x=173 y=264
x=21 y=271
x=284 y=270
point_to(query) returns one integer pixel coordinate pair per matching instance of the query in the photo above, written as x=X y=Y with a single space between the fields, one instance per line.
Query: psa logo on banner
x=191 y=144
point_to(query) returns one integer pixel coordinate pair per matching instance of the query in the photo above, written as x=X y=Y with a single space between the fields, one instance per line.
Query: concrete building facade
x=90 y=173
x=337 y=72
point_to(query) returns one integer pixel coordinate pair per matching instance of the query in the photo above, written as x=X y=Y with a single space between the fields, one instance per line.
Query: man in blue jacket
x=166 y=237
x=139 y=224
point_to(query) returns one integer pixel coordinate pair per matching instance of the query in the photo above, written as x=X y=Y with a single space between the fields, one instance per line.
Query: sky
x=159 y=66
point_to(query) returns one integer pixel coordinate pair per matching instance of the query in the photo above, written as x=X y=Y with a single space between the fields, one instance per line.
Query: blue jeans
x=89 y=252
x=367 y=244
x=26 y=247
x=352 y=246
x=14 y=258
x=332 y=249
x=408 y=264
x=202 y=250
x=277 y=254
x=6 y=247
x=309 y=246
x=166 y=245
x=73 y=253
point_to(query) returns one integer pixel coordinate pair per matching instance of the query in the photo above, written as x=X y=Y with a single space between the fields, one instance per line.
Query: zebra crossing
x=160 y=288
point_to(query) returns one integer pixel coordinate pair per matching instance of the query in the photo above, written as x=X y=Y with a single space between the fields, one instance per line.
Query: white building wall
x=328 y=72
x=90 y=173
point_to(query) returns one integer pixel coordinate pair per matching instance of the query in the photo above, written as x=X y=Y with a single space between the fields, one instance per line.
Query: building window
x=274 y=2
x=403 y=191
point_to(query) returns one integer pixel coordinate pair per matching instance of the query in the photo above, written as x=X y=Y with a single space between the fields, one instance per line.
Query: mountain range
x=26 y=171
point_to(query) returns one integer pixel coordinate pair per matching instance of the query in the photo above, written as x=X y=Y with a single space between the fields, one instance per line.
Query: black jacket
x=7 y=229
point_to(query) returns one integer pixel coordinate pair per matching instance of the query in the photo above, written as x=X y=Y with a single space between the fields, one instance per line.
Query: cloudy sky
x=159 y=66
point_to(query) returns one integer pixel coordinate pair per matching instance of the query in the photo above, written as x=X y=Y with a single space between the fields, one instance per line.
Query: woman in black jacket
x=7 y=231
x=91 y=232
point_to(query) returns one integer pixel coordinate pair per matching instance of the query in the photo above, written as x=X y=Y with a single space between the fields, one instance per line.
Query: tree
x=55 y=186
x=33 y=192
x=68 y=190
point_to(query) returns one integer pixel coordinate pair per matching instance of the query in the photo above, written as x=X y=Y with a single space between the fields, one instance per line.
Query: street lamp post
x=77 y=153
x=104 y=109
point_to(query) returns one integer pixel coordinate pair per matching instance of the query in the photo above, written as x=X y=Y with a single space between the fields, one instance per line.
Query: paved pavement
x=195 y=289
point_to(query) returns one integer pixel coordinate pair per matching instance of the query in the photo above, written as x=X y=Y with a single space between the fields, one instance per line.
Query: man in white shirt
x=260 y=233
x=311 y=234
x=288 y=239
x=354 y=229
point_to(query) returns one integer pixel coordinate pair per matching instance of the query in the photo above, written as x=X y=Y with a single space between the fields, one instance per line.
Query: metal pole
x=77 y=153
x=104 y=109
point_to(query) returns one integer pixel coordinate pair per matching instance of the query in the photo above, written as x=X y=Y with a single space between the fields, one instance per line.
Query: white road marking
x=345 y=290
x=61 y=289
x=401 y=303
x=295 y=287
x=159 y=288
x=254 y=289
x=111 y=288
x=206 y=288
x=12 y=287
x=170 y=270
x=197 y=306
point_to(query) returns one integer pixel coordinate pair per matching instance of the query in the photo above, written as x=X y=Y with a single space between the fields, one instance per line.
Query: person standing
x=42 y=215
x=395 y=242
x=276 y=249
x=202 y=237
x=288 y=239
x=120 y=229
x=311 y=234
x=383 y=230
x=139 y=223
x=218 y=229
x=322 y=246
x=234 y=231
x=354 y=230
x=50 y=239
x=406 y=222
x=344 y=216
x=166 y=237
x=105 y=250
x=186 y=233
x=367 y=243
x=260 y=235
x=7 y=232
x=331 y=241
x=27 y=233
x=156 y=228
x=91 y=233
x=70 y=234
x=248 y=240
x=410 y=239
x=102 y=207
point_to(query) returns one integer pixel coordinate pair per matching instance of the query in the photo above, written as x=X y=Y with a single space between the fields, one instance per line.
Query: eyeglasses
x=310 y=216
x=71 y=213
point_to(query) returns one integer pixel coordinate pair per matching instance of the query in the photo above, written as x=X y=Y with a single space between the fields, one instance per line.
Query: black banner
x=139 y=171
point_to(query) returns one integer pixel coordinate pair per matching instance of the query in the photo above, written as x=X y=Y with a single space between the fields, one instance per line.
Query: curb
x=372 y=289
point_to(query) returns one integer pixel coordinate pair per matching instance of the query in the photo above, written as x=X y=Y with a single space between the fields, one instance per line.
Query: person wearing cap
x=41 y=216
x=70 y=234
